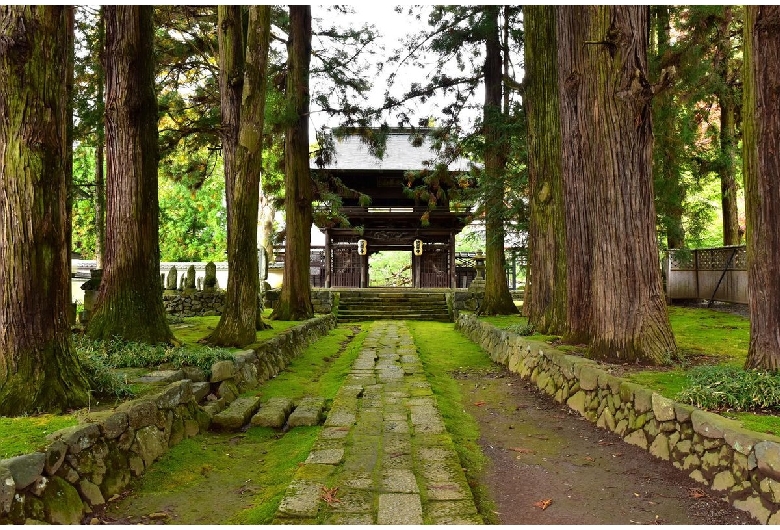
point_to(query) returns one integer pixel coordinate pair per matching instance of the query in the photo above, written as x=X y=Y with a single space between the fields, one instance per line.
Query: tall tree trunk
x=761 y=144
x=39 y=371
x=100 y=181
x=129 y=303
x=610 y=223
x=265 y=237
x=295 y=297
x=669 y=189
x=242 y=85
x=546 y=290
x=726 y=165
x=498 y=299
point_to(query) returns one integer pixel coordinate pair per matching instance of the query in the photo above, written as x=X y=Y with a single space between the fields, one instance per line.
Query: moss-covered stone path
x=384 y=455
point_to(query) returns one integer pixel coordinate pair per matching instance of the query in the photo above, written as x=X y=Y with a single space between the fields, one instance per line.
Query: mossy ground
x=250 y=471
x=28 y=433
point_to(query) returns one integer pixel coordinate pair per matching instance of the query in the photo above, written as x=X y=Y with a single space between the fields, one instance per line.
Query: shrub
x=732 y=388
x=522 y=329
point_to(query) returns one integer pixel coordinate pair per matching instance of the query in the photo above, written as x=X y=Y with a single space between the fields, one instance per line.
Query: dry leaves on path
x=522 y=450
x=329 y=495
x=543 y=504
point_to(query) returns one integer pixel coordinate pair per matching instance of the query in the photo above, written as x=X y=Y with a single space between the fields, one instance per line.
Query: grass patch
x=517 y=324
x=443 y=351
x=28 y=433
x=720 y=337
x=321 y=368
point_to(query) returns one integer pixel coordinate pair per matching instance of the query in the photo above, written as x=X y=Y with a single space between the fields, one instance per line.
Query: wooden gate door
x=434 y=268
x=345 y=268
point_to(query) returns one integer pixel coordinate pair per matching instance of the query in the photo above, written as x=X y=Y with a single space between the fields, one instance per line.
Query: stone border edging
x=743 y=465
x=88 y=464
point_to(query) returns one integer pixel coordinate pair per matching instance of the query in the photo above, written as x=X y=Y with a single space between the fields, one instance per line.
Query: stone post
x=210 y=281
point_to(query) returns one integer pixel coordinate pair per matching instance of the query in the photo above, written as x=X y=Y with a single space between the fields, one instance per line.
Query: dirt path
x=541 y=451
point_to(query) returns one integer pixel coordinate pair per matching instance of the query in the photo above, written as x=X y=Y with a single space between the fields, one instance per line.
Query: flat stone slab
x=340 y=418
x=273 y=413
x=399 y=508
x=301 y=500
x=326 y=456
x=309 y=412
x=237 y=414
x=161 y=376
x=399 y=481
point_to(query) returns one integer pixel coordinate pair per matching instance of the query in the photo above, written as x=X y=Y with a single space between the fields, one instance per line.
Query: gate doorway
x=390 y=268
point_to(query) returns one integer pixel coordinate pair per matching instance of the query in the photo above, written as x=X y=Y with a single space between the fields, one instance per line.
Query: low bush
x=732 y=388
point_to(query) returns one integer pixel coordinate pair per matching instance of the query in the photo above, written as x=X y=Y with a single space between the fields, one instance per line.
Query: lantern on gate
x=418 y=247
x=362 y=247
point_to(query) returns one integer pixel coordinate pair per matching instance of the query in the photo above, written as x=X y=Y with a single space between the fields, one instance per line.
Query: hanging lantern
x=362 y=247
x=418 y=247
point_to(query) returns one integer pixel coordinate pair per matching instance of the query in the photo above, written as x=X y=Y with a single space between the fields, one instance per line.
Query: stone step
x=238 y=413
x=273 y=413
x=309 y=412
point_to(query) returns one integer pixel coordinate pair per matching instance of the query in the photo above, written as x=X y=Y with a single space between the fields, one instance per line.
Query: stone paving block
x=340 y=418
x=334 y=433
x=396 y=426
x=399 y=481
x=353 y=501
x=399 y=508
x=350 y=519
x=326 y=456
x=314 y=472
x=308 y=412
x=445 y=491
x=360 y=481
x=302 y=499
x=273 y=413
x=237 y=414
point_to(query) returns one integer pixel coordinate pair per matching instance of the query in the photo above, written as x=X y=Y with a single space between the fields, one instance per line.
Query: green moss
x=28 y=433
x=321 y=368
x=443 y=351
x=763 y=423
x=723 y=337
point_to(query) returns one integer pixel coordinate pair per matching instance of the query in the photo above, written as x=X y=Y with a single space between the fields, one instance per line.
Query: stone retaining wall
x=200 y=303
x=742 y=465
x=88 y=464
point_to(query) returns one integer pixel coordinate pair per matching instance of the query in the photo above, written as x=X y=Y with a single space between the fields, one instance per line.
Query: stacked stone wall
x=200 y=303
x=87 y=465
x=742 y=465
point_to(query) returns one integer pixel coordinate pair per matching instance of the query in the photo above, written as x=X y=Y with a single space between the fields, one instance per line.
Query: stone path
x=384 y=455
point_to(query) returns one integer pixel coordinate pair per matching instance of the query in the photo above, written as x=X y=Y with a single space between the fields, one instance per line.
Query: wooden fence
x=707 y=274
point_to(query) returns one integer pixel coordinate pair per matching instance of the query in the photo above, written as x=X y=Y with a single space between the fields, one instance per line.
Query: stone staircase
x=394 y=304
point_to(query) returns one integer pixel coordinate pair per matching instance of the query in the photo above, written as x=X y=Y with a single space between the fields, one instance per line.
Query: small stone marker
x=189 y=284
x=210 y=281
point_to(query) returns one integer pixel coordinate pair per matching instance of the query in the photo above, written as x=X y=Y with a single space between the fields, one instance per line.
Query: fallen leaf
x=543 y=504
x=590 y=459
x=696 y=493
x=522 y=450
x=329 y=495
x=615 y=455
x=480 y=403
x=605 y=443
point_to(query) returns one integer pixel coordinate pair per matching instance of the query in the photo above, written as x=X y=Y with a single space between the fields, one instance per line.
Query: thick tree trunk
x=727 y=164
x=545 y=300
x=615 y=295
x=498 y=299
x=129 y=303
x=761 y=144
x=100 y=181
x=38 y=369
x=295 y=298
x=242 y=144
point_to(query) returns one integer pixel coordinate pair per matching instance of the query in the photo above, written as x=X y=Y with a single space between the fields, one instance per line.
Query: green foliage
x=122 y=354
x=390 y=268
x=732 y=388
x=192 y=221
x=522 y=329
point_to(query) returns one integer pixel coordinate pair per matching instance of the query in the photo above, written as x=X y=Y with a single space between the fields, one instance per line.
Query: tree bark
x=242 y=85
x=761 y=143
x=39 y=371
x=100 y=135
x=129 y=303
x=616 y=301
x=295 y=297
x=498 y=299
x=727 y=164
x=545 y=299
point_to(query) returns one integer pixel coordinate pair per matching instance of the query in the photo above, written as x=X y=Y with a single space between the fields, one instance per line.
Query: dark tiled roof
x=400 y=154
